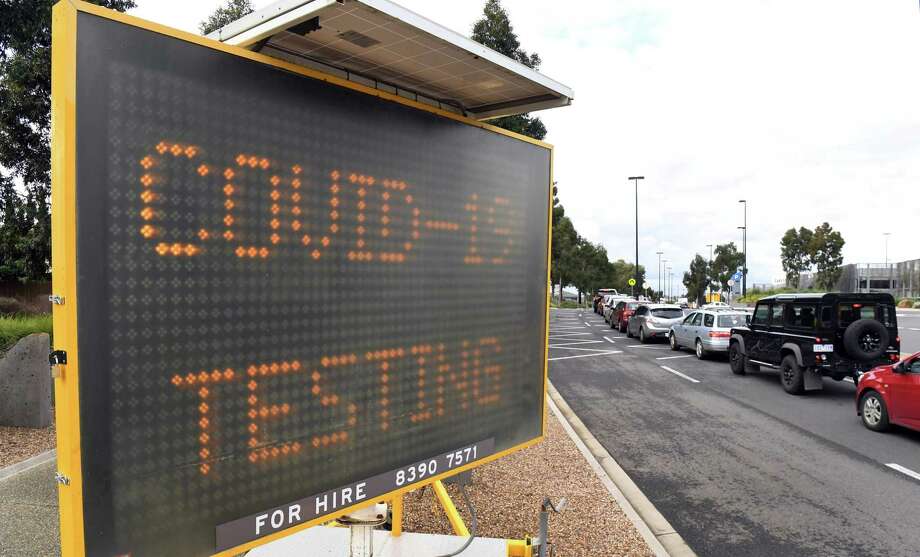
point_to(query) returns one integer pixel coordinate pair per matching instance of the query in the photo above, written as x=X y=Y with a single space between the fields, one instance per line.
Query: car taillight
x=894 y=358
x=719 y=334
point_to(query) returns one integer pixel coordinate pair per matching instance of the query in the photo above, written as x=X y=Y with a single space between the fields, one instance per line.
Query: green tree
x=825 y=251
x=25 y=121
x=696 y=279
x=494 y=30
x=794 y=252
x=231 y=11
x=727 y=260
x=565 y=240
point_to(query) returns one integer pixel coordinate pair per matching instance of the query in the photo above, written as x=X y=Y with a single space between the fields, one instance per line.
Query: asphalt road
x=736 y=465
x=909 y=327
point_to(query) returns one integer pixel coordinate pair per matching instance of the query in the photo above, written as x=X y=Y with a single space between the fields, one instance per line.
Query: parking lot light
x=636 y=180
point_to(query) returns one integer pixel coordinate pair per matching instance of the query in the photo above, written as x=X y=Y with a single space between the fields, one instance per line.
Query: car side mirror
x=901 y=367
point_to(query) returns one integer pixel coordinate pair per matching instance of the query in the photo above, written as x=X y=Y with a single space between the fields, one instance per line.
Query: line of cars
x=806 y=337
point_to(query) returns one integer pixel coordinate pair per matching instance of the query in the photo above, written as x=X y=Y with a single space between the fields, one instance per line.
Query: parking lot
x=735 y=464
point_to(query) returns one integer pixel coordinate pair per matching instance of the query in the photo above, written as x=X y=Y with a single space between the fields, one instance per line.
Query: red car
x=891 y=395
x=620 y=316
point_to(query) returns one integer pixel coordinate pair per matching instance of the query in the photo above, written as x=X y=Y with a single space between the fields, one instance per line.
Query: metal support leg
x=456 y=521
x=396 y=516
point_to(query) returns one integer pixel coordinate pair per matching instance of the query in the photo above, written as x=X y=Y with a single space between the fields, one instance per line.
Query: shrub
x=14 y=328
x=11 y=306
x=917 y=305
x=906 y=303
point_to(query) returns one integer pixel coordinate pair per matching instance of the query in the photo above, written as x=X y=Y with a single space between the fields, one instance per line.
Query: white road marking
x=584 y=349
x=679 y=374
x=576 y=343
x=610 y=340
x=913 y=329
x=850 y=379
x=903 y=470
x=588 y=324
x=573 y=336
x=674 y=357
x=586 y=355
x=649 y=346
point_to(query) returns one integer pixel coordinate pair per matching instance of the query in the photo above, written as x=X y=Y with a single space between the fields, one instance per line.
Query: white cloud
x=807 y=109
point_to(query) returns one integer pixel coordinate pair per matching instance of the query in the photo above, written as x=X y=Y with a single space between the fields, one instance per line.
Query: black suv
x=808 y=336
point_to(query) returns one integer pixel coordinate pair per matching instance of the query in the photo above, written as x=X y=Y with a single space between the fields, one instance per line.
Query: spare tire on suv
x=865 y=340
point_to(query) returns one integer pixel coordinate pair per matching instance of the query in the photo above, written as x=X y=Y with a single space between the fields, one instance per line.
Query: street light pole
x=636 y=180
x=886 y=235
x=709 y=275
x=660 y=293
x=744 y=269
x=667 y=271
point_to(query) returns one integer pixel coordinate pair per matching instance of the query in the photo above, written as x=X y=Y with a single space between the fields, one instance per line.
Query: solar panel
x=379 y=43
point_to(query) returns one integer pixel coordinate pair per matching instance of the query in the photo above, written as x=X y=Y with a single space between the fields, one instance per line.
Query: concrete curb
x=661 y=537
x=22 y=466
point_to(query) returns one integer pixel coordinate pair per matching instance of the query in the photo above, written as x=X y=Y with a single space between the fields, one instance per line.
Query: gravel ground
x=507 y=495
x=20 y=443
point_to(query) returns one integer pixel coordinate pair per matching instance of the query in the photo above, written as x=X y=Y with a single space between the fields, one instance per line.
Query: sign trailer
x=285 y=294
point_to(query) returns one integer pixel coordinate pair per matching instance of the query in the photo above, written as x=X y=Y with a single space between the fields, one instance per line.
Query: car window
x=667 y=313
x=709 y=320
x=761 y=314
x=776 y=314
x=801 y=316
x=689 y=318
x=850 y=312
x=697 y=319
x=633 y=305
x=915 y=366
x=733 y=320
x=886 y=314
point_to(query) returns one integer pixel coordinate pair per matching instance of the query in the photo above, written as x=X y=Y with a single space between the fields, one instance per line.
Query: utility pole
x=660 y=293
x=887 y=269
x=667 y=271
x=744 y=269
x=636 y=180
x=709 y=276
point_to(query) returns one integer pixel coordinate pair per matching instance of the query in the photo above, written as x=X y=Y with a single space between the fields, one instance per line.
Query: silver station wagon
x=707 y=330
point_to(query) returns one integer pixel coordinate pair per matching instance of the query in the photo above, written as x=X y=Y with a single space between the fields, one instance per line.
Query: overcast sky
x=809 y=110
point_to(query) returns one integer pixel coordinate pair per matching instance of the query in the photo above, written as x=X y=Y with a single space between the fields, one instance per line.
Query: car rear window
x=853 y=311
x=632 y=305
x=667 y=313
x=733 y=320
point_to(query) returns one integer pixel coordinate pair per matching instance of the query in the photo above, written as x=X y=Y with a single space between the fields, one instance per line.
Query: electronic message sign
x=283 y=296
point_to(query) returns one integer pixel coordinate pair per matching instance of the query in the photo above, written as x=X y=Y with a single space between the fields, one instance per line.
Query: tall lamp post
x=744 y=269
x=709 y=275
x=636 y=180
x=659 y=253
x=887 y=270
x=668 y=271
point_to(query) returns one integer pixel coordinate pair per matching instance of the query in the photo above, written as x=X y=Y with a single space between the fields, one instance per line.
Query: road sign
x=631 y=282
x=731 y=282
x=736 y=277
x=646 y=286
x=282 y=290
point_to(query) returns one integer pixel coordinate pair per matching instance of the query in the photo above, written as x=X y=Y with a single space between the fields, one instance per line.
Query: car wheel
x=621 y=327
x=792 y=376
x=874 y=412
x=700 y=351
x=642 y=337
x=672 y=338
x=613 y=325
x=628 y=331
x=736 y=359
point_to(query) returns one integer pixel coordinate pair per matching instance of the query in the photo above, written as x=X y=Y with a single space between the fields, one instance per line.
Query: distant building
x=901 y=280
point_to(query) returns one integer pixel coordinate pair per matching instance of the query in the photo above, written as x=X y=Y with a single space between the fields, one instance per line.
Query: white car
x=715 y=305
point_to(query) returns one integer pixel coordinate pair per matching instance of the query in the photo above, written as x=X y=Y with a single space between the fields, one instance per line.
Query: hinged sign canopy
x=383 y=45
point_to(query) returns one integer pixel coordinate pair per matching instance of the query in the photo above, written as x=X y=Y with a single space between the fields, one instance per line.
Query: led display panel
x=292 y=296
